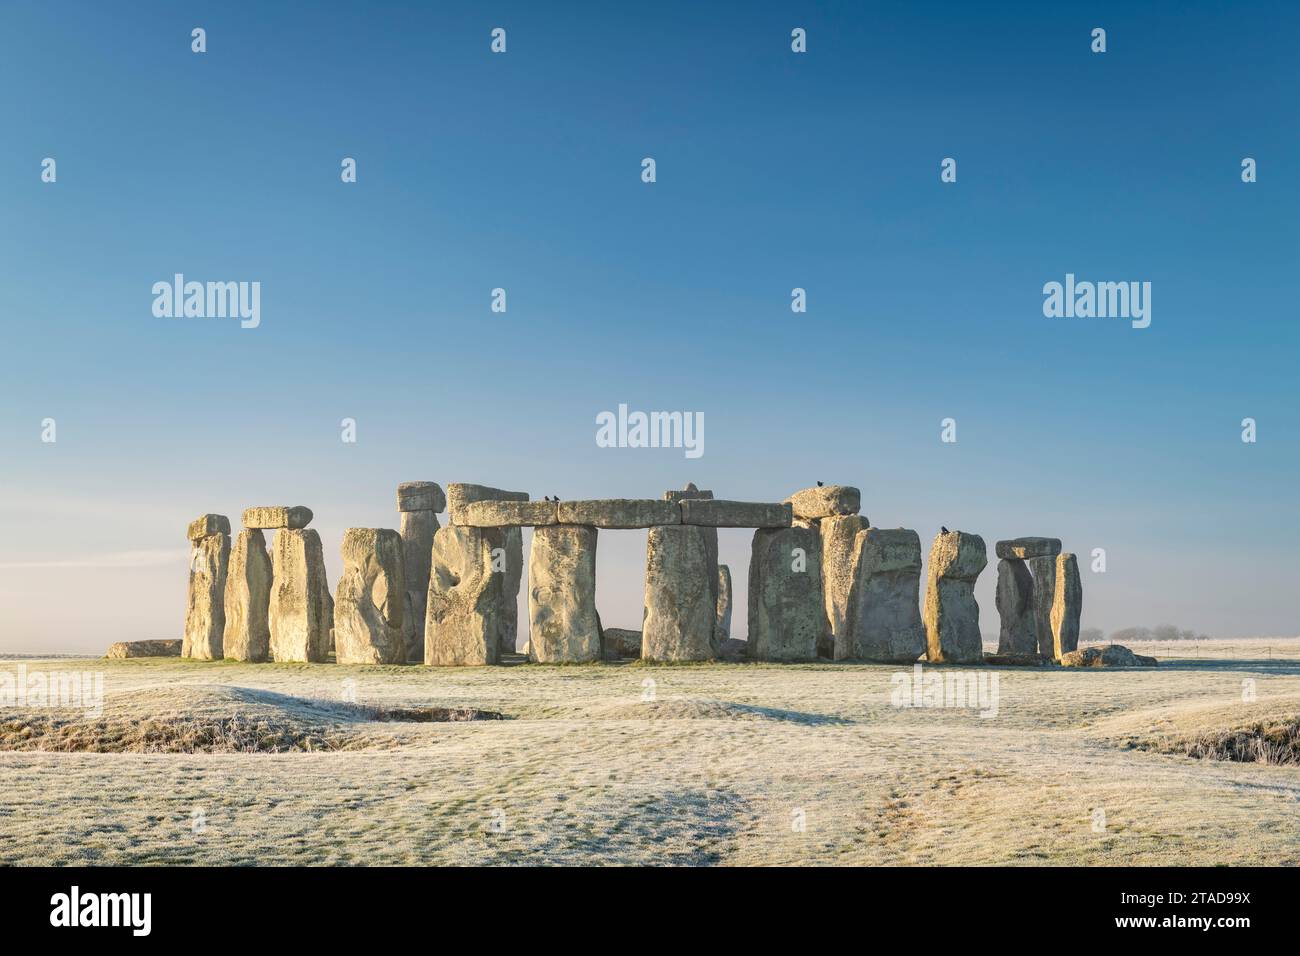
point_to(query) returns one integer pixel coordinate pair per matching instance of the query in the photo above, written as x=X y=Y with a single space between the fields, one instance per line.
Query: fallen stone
x=125 y=649
x=733 y=649
x=1067 y=605
x=720 y=513
x=460 y=494
x=620 y=513
x=622 y=643
x=421 y=496
x=508 y=514
x=247 y=634
x=417 y=530
x=1024 y=548
x=883 y=620
x=562 y=623
x=787 y=613
x=1043 y=570
x=204 y=525
x=722 y=629
x=839 y=535
x=299 y=616
x=1015 y=604
x=464 y=617
x=1113 y=655
x=952 y=615
x=205 y=615
x=681 y=604
x=371 y=598
x=825 y=501
x=277 y=516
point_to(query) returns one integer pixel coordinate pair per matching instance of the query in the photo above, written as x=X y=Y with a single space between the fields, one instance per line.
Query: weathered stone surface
x=787 y=613
x=464 y=617
x=275 y=517
x=299 y=614
x=1043 y=571
x=205 y=615
x=417 y=530
x=562 y=623
x=839 y=535
x=371 y=598
x=952 y=615
x=722 y=630
x=883 y=620
x=622 y=643
x=825 y=501
x=1113 y=655
x=513 y=542
x=690 y=491
x=124 y=649
x=620 y=513
x=204 y=525
x=420 y=496
x=720 y=513
x=460 y=494
x=508 y=514
x=1024 y=548
x=1067 y=605
x=680 y=595
x=1015 y=603
x=248 y=599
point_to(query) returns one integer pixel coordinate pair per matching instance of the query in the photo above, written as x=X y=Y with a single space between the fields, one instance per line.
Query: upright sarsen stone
x=884 y=613
x=839 y=534
x=205 y=612
x=680 y=594
x=248 y=599
x=787 y=615
x=299 y=619
x=722 y=630
x=371 y=599
x=417 y=530
x=512 y=539
x=464 y=615
x=1043 y=570
x=1067 y=605
x=952 y=615
x=563 y=624
x=1015 y=602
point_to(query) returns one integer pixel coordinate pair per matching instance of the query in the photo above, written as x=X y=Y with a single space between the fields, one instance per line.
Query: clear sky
x=775 y=170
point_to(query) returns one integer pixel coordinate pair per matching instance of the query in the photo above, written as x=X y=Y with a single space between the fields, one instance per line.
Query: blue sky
x=775 y=170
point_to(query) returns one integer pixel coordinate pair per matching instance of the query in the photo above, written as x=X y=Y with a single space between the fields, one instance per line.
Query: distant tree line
x=1126 y=635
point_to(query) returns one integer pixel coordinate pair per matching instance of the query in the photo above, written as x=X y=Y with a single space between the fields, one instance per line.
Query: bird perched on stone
x=943 y=530
x=819 y=484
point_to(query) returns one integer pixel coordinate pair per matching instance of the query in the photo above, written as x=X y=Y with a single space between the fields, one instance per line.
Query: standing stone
x=463 y=618
x=1015 y=602
x=884 y=615
x=513 y=541
x=952 y=615
x=371 y=599
x=722 y=630
x=417 y=530
x=787 y=613
x=1067 y=605
x=299 y=623
x=563 y=626
x=1043 y=570
x=205 y=612
x=681 y=603
x=248 y=599
x=839 y=535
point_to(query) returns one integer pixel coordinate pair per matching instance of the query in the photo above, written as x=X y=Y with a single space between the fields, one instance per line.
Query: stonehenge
x=822 y=582
x=951 y=614
x=205 y=614
x=371 y=599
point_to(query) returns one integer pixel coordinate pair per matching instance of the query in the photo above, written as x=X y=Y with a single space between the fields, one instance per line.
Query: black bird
x=819 y=484
x=944 y=530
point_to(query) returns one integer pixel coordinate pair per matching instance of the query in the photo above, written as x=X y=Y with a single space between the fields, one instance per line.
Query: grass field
x=627 y=763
